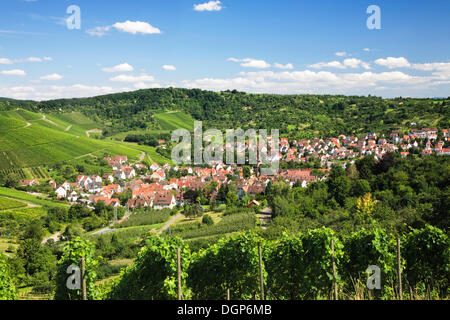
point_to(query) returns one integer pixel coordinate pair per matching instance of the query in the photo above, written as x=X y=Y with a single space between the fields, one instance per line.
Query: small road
x=68 y=128
x=141 y=158
x=109 y=228
x=55 y=237
x=93 y=131
x=169 y=223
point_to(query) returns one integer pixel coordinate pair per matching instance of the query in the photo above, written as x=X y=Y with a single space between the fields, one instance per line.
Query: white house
x=61 y=192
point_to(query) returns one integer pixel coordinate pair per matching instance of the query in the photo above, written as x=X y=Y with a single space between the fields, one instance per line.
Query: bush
x=207 y=220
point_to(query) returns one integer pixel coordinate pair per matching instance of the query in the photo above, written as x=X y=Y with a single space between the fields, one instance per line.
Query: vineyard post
x=333 y=265
x=228 y=294
x=83 y=278
x=261 y=276
x=179 y=273
x=399 y=270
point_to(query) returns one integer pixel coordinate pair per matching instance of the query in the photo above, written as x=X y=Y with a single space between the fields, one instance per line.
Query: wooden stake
x=228 y=294
x=83 y=278
x=333 y=265
x=399 y=270
x=261 y=276
x=179 y=273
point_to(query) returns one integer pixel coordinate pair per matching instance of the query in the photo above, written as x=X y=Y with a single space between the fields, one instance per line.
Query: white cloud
x=143 y=85
x=441 y=70
x=331 y=64
x=348 y=63
x=169 y=67
x=356 y=63
x=134 y=27
x=367 y=49
x=124 y=67
x=15 y=72
x=341 y=53
x=251 y=63
x=47 y=59
x=209 y=6
x=33 y=59
x=281 y=66
x=391 y=62
x=98 y=31
x=133 y=79
x=5 y=61
x=52 y=77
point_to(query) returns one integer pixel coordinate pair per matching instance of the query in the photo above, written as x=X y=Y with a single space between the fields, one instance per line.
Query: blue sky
x=282 y=46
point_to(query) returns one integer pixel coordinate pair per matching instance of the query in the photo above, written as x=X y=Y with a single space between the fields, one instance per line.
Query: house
x=139 y=203
x=73 y=197
x=29 y=183
x=253 y=203
x=120 y=175
x=108 y=177
x=164 y=200
x=52 y=184
x=61 y=192
x=158 y=175
x=129 y=172
x=94 y=187
x=66 y=185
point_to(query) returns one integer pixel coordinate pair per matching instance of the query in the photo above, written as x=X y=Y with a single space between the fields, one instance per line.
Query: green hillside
x=175 y=120
x=30 y=140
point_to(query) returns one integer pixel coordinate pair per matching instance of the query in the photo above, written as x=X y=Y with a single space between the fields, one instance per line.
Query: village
x=158 y=191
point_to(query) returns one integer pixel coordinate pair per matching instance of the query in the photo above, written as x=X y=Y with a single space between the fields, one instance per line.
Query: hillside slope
x=29 y=140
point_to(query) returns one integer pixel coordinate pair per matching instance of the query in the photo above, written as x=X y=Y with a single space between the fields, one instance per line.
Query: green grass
x=24 y=215
x=6 y=203
x=19 y=195
x=43 y=143
x=175 y=120
x=149 y=218
x=76 y=118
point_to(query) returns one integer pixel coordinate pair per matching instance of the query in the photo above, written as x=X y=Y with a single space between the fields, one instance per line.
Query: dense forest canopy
x=297 y=116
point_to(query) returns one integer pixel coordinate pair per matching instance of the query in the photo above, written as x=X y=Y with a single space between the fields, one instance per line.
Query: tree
x=427 y=255
x=232 y=263
x=7 y=288
x=72 y=253
x=11 y=180
x=153 y=275
x=361 y=187
x=194 y=211
x=72 y=231
x=78 y=211
x=339 y=188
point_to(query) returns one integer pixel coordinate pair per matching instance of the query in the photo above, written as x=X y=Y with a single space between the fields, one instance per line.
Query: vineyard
x=317 y=264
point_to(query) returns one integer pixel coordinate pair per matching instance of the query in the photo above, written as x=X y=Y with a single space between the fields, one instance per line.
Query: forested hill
x=297 y=116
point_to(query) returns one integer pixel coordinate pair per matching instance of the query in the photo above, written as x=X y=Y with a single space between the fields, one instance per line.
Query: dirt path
x=55 y=237
x=93 y=131
x=68 y=128
x=169 y=223
x=141 y=158
x=50 y=121
x=109 y=229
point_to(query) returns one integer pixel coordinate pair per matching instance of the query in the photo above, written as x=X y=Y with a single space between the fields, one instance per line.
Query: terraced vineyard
x=175 y=120
x=30 y=140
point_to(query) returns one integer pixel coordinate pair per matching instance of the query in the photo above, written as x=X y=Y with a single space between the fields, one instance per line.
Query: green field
x=7 y=203
x=175 y=120
x=19 y=195
x=42 y=143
